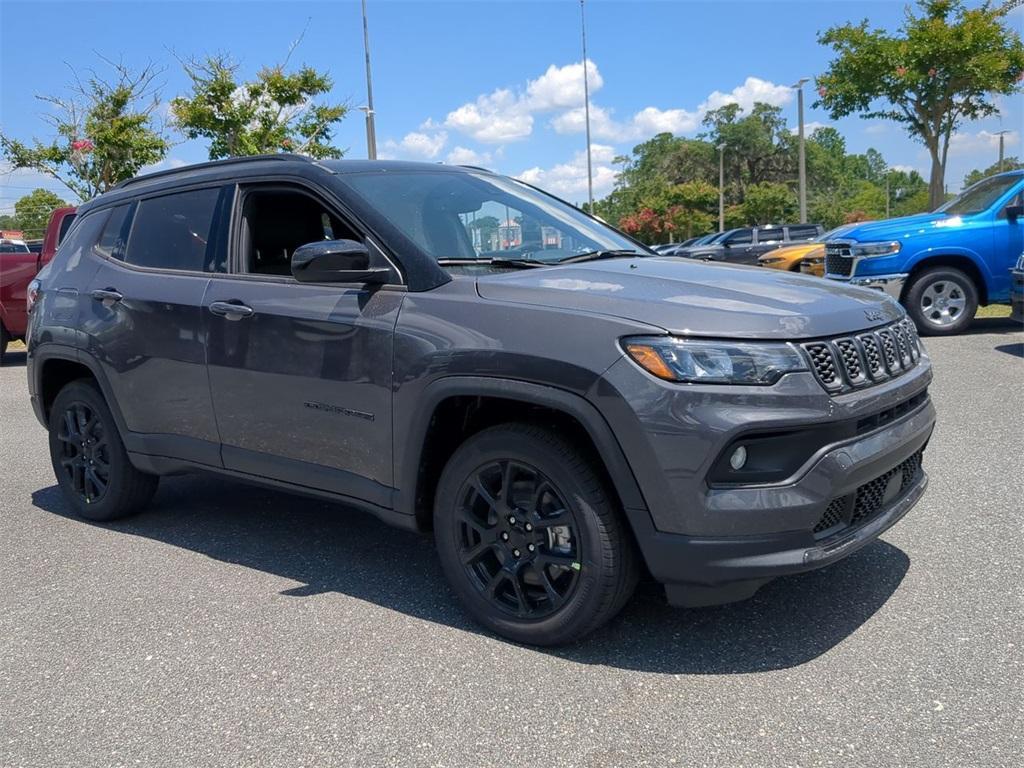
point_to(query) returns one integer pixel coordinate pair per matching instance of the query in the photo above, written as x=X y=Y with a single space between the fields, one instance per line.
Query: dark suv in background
x=746 y=244
x=566 y=413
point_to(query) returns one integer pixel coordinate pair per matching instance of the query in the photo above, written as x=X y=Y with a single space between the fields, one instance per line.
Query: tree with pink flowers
x=105 y=131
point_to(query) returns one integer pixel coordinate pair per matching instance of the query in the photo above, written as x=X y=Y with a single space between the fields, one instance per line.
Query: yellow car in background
x=788 y=257
x=808 y=257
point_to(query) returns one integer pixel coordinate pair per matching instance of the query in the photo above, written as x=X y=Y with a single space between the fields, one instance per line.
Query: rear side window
x=770 y=235
x=65 y=225
x=115 y=233
x=174 y=232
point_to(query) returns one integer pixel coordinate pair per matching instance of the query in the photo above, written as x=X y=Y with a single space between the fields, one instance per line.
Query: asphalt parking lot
x=231 y=625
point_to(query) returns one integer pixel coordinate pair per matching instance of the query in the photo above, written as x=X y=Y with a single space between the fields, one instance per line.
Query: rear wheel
x=89 y=459
x=529 y=538
x=942 y=301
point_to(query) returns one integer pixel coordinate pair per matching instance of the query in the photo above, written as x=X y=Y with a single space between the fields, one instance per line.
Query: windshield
x=455 y=216
x=13 y=248
x=981 y=196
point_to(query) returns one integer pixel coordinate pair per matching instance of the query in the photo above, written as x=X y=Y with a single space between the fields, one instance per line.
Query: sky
x=497 y=84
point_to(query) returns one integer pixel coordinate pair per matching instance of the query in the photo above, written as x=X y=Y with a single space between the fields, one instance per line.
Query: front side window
x=468 y=217
x=277 y=221
x=740 y=237
x=981 y=196
x=174 y=231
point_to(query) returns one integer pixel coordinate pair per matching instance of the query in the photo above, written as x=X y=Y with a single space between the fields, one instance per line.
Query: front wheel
x=89 y=459
x=941 y=301
x=529 y=538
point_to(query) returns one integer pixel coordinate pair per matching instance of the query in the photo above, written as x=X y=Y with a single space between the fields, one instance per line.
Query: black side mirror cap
x=336 y=261
x=1014 y=212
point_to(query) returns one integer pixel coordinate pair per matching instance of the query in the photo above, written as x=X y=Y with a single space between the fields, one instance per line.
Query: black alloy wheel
x=518 y=539
x=84 y=457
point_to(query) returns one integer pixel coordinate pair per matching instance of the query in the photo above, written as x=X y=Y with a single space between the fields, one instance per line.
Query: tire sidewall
x=939 y=274
x=87 y=394
x=486 y=448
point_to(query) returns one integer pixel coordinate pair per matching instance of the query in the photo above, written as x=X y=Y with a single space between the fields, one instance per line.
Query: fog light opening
x=738 y=458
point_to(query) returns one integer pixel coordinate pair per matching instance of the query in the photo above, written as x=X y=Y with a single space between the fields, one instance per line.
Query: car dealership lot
x=231 y=625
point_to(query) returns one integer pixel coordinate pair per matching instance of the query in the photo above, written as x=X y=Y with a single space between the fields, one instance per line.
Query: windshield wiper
x=521 y=263
x=598 y=255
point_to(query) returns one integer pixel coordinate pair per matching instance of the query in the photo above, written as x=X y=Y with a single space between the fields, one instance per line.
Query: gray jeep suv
x=458 y=352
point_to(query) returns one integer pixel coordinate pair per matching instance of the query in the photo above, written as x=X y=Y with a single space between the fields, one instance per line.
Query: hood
x=694 y=298
x=897 y=229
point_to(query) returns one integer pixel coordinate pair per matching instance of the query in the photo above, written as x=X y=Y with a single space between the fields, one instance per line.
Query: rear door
x=766 y=239
x=143 y=318
x=300 y=372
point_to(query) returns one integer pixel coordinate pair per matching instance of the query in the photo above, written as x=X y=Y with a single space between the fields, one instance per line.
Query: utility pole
x=721 y=187
x=586 y=109
x=1001 y=135
x=371 y=130
x=803 y=156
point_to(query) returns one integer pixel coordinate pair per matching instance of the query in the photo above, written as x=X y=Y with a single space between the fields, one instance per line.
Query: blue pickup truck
x=940 y=265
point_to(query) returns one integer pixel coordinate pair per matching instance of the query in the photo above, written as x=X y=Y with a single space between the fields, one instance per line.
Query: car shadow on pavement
x=14 y=359
x=1017 y=350
x=982 y=325
x=327 y=547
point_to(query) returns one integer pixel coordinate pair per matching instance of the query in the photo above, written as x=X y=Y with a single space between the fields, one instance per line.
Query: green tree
x=769 y=203
x=32 y=212
x=273 y=113
x=1008 y=164
x=940 y=69
x=8 y=221
x=105 y=132
x=759 y=146
x=688 y=208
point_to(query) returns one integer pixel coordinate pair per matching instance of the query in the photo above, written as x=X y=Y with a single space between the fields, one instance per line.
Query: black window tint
x=65 y=225
x=115 y=233
x=741 y=237
x=803 y=233
x=81 y=239
x=770 y=235
x=173 y=232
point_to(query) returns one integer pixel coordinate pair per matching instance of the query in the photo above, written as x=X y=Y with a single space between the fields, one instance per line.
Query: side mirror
x=1014 y=212
x=336 y=261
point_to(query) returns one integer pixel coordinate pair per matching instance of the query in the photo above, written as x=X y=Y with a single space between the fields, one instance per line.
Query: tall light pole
x=721 y=187
x=586 y=109
x=371 y=130
x=803 y=157
x=1001 y=135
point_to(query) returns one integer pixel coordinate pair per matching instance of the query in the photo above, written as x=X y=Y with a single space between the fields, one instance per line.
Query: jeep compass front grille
x=850 y=362
x=838 y=259
x=871 y=499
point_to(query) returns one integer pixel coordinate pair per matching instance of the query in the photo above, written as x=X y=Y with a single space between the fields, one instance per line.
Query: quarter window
x=174 y=232
x=115 y=233
x=803 y=233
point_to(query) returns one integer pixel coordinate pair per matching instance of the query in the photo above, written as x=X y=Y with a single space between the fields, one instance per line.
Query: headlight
x=713 y=362
x=875 y=249
x=772 y=260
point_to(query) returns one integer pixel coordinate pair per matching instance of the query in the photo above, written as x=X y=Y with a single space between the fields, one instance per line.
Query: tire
x=941 y=301
x=89 y=459
x=521 y=567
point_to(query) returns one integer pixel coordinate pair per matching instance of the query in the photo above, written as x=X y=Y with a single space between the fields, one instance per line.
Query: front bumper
x=888 y=284
x=711 y=543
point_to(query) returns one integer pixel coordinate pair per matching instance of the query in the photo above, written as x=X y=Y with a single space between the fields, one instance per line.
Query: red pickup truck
x=18 y=266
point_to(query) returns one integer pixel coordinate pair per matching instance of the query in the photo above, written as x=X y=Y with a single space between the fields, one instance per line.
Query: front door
x=1007 y=246
x=300 y=373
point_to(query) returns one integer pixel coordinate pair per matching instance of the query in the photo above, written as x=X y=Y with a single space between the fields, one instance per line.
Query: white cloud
x=981 y=143
x=904 y=168
x=570 y=179
x=493 y=118
x=415 y=146
x=754 y=89
x=466 y=156
x=809 y=128
x=163 y=165
x=647 y=122
x=877 y=129
x=562 y=87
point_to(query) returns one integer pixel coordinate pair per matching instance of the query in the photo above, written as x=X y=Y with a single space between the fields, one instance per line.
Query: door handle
x=230 y=310
x=108 y=296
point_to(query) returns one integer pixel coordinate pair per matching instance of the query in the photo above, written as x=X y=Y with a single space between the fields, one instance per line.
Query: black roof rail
x=211 y=164
x=475 y=168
